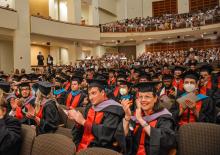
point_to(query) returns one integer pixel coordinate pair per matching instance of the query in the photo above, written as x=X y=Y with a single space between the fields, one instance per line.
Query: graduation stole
x=40 y=112
x=116 y=91
x=178 y=85
x=67 y=85
x=75 y=101
x=59 y=91
x=203 y=89
x=141 y=149
x=92 y=117
x=111 y=82
x=219 y=82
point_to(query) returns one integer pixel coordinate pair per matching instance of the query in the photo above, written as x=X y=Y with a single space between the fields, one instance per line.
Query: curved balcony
x=54 y=28
x=8 y=17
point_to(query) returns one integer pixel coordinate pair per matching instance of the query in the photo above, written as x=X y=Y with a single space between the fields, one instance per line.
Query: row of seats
x=193 y=138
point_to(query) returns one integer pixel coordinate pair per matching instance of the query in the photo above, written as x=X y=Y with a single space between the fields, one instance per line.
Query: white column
x=183 y=6
x=94 y=13
x=54 y=52
x=74 y=11
x=22 y=57
x=53 y=9
x=72 y=54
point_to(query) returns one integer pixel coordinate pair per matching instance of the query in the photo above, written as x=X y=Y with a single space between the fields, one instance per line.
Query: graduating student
x=97 y=126
x=151 y=130
x=207 y=84
x=22 y=104
x=10 y=131
x=125 y=93
x=119 y=77
x=45 y=114
x=60 y=92
x=168 y=93
x=178 y=81
x=202 y=110
x=75 y=97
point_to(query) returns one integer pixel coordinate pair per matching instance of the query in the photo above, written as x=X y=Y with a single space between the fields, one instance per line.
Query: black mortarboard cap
x=124 y=82
x=5 y=86
x=208 y=68
x=167 y=77
x=147 y=86
x=45 y=87
x=191 y=74
x=77 y=78
x=98 y=81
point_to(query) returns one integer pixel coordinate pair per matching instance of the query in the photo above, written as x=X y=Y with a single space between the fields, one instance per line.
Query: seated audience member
x=152 y=129
x=97 y=126
x=201 y=110
x=59 y=91
x=10 y=131
x=75 y=97
x=45 y=113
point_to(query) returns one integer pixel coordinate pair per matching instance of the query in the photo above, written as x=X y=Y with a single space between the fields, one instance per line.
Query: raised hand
x=126 y=107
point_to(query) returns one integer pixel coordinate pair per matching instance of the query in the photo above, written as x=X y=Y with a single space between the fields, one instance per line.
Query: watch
x=145 y=124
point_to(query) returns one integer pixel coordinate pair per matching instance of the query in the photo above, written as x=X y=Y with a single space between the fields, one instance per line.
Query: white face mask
x=189 y=87
x=123 y=91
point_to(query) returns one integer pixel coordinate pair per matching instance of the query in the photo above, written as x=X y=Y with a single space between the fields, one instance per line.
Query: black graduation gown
x=26 y=120
x=162 y=137
x=10 y=138
x=50 y=118
x=103 y=132
x=206 y=114
x=61 y=98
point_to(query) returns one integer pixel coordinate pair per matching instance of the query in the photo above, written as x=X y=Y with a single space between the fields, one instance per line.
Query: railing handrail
x=55 y=20
x=7 y=8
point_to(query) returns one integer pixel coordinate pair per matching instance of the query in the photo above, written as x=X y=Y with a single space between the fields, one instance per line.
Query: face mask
x=123 y=91
x=189 y=87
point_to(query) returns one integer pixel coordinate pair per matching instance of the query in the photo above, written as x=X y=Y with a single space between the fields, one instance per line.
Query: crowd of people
x=133 y=108
x=165 y=22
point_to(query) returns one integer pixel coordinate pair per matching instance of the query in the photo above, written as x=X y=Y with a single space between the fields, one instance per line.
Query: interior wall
x=183 y=45
x=134 y=8
x=39 y=6
x=109 y=5
x=35 y=49
x=64 y=56
x=105 y=17
x=128 y=51
x=6 y=56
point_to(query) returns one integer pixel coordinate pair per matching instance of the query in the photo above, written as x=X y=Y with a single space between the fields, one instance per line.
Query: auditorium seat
x=64 y=131
x=63 y=116
x=199 y=139
x=53 y=144
x=98 y=151
x=28 y=135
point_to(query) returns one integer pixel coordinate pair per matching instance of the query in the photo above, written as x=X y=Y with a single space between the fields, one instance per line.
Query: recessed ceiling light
x=131 y=39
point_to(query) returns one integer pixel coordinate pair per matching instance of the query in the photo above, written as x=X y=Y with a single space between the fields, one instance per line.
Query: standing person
x=40 y=59
x=49 y=60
